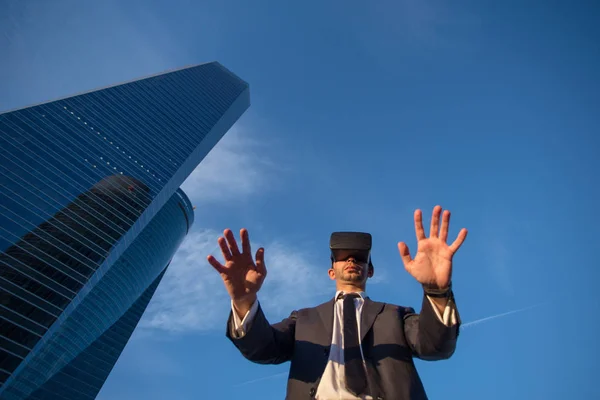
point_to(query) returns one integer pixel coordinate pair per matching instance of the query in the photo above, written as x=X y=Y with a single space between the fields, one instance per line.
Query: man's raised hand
x=432 y=264
x=242 y=275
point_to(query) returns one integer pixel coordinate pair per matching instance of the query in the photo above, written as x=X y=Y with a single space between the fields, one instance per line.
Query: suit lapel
x=370 y=311
x=325 y=311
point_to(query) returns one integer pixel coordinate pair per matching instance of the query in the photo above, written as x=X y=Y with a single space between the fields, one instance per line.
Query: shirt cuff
x=241 y=326
x=449 y=318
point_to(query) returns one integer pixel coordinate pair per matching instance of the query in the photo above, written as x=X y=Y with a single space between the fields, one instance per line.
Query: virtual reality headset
x=355 y=244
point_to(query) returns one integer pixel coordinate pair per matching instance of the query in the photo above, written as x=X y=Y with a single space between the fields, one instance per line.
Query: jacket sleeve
x=264 y=343
x=428 y=336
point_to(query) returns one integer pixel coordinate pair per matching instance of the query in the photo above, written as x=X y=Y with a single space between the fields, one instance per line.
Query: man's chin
x=353 y=277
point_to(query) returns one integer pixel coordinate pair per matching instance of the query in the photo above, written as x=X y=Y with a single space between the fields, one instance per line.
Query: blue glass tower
x=90 y=216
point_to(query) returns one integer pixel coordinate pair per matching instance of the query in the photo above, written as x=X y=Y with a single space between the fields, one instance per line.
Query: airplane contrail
x=478 y=321
x=261 y=379
x=471 y=323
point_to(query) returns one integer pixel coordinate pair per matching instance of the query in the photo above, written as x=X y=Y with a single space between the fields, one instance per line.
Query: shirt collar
x=338 y=294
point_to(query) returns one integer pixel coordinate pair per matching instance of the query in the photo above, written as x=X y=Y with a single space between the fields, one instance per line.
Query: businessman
x=350 y=347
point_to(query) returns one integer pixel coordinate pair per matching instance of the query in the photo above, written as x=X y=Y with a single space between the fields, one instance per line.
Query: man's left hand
x=433 y=263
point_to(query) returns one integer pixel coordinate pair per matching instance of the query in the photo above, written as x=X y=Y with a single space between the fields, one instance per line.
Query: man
x=349 y=347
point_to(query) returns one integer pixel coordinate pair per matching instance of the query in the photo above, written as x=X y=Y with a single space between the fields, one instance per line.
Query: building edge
x=168 y=71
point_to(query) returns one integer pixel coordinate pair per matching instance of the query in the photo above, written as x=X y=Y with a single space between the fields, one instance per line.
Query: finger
x=445 y=226
x=462 y=235
x=261 y=268
x=233 y=247
x=404 y=254
x=435 y=222
x=224 y=249
x=419 y=225
x=245 y=241
x=216 y=264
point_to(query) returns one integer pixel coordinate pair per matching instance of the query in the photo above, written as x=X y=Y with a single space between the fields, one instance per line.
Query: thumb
x=220 y=268
x=260 y=261
x=404 y=254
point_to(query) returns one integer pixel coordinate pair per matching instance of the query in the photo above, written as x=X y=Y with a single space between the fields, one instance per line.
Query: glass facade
x=83 y=377
x=90 y=216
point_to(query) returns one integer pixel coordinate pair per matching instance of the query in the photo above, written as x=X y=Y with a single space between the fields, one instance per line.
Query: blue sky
x=362 y=112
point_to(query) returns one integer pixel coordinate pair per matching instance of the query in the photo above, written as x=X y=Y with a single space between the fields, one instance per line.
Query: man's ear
x=371 y=271
x=331 y=273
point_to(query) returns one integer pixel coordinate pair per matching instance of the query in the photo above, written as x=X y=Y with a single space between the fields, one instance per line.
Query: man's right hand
x=242 y=275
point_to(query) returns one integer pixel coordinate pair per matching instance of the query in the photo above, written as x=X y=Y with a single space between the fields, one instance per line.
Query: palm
x=432 y=264
x=241 y=274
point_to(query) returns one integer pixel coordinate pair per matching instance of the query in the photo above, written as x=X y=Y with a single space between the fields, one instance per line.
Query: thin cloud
x=295 y=279
x=192 y=296
x=236 y=167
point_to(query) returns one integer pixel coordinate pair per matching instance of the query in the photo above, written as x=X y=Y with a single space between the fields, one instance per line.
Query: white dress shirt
x=332 y=385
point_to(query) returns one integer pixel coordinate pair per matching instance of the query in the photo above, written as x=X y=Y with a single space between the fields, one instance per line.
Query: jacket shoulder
x=314 y=309
x=398 y=309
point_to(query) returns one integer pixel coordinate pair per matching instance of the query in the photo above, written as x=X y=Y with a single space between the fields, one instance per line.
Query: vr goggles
x=355 y=244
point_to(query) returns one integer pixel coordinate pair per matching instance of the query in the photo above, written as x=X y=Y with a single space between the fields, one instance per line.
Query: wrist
x=242 y=305
x=435 y=291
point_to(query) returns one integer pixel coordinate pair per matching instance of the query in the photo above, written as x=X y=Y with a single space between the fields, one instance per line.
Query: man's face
x=350 y=267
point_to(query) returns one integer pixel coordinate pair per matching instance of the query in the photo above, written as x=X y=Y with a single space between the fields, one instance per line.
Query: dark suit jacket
x=391 y=337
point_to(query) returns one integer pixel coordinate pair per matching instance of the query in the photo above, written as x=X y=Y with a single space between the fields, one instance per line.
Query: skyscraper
x=90 y=216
